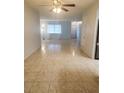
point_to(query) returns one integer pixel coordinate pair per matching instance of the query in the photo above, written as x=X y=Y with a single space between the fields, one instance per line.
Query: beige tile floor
x=60 y=67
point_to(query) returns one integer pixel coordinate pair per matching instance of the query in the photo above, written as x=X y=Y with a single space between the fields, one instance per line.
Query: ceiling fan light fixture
x=58 y=6
x=55 y=2
x=54 y=10
x=57 y=10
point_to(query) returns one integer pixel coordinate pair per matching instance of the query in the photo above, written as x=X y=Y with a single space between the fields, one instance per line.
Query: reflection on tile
x=43 y=49
x=60 y=68
x=73 y=53
x=54 y=47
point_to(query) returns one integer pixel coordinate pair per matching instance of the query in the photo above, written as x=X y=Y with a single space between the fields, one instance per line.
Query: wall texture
x=89 y=30
x=32 y=39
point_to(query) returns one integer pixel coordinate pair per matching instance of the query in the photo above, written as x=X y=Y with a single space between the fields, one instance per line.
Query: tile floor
x=60 y=67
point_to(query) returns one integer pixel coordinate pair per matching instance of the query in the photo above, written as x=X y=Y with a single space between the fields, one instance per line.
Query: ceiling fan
x=58 y=6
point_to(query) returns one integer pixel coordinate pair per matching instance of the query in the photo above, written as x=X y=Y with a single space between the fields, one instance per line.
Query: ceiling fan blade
x=64 y=9
x=69 y=5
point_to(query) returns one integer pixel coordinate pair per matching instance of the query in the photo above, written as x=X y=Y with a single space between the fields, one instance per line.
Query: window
x=54 y=28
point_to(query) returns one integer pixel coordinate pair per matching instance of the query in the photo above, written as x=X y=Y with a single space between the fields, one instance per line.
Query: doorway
x=97 y=43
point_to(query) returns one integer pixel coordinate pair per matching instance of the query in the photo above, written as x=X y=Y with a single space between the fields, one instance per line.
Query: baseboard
x=31 y=53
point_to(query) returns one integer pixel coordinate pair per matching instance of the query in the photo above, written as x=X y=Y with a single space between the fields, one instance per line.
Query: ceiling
x=74 y=12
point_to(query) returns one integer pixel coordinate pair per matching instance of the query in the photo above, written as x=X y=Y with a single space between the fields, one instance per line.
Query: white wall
x=89 y=29
x=65 y=28
x=32 y=39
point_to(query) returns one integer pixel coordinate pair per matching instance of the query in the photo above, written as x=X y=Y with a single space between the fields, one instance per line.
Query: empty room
x=61 y=46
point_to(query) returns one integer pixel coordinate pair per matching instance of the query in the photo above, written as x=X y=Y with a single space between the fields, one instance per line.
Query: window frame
x=54 y=29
